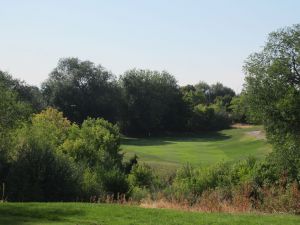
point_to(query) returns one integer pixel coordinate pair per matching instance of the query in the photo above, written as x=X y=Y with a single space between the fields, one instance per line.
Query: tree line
x=141 y=102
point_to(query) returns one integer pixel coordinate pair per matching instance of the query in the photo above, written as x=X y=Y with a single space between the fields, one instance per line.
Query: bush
x=137 y=194
x=208 y=118
x=141 y=176
x=114 y=182
x=90 y=185
x=278 y=199
x=38 y=174
x=96 y=144
x=190 y=183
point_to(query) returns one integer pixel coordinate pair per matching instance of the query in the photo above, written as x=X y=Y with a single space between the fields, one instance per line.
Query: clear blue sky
x=193 y=40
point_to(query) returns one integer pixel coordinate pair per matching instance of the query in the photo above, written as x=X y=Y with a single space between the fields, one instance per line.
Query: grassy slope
x=92 y=214
x=203 y=150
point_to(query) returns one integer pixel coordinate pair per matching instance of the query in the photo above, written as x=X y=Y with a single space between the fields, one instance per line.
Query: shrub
x=114 y=182
x=141 y=176
x=137 y=194
x=38 y=174
x=190 y=183
x=96 y=143
x=211 y=117
x=90 y=185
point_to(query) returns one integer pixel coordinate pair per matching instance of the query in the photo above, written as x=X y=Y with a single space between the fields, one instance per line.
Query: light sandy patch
x=241 y=125
x=258 y=134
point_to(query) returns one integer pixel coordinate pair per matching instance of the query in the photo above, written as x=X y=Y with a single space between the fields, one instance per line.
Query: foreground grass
x=200 y=150
x=105 y=214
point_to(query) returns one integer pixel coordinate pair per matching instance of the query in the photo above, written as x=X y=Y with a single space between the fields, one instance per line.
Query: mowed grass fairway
x=105 y=214
x=200 y=150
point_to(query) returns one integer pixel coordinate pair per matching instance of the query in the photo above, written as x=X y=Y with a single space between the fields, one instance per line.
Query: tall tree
x=26 y=93
x=12 y=113
x=273 y=88
x=153 y=102
x=81 y=89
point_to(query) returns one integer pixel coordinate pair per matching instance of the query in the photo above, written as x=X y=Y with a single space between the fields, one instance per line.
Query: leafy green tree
x=205 y=118
x=38 y=172
x=153 y=102
x=202 y=87
x=273 y=88
x=192 y=96
x=214 y=92
x=96 y=144
x=219 y=90
x=12 y=113
x=81 y=89
x=46 y=130
x=240 y=110
x=24 y=92
x=12 y=110
x=58 y=160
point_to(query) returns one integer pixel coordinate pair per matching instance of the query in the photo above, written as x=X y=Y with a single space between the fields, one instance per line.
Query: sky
x=193 y=40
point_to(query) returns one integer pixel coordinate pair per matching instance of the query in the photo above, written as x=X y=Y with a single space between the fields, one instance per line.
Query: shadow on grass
x=12 y=214
x=167 y=140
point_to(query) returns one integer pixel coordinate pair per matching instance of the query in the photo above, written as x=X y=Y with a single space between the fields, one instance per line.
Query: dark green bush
x=114 y=182
x=141 y=176
x=208 y=118
x=38 y=174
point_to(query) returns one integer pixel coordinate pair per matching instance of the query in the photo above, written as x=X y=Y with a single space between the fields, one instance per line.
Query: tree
x=153 y=102
x=38 y=171
x=240 y=111
x=207 y=118
x=95 y=147
x=202 y=86
x=192 y=96
x=12 y=113
x=52 y=159
x=39 y=174
x=214 y=91
x=24 y=92
x=273 y=88
x=81 y=89
x=95 y=144
x=222 y=92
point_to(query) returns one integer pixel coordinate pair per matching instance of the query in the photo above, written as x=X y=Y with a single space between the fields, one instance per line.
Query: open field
x=200 y=150
x=104 y=214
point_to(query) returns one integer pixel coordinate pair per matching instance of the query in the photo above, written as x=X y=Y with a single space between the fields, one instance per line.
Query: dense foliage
x=272 y=96
x=23 y=92
x=243 y=186
x=81 y=89
x=142 y=102
x=273 y=89
x=51 y=159
x=153 y=102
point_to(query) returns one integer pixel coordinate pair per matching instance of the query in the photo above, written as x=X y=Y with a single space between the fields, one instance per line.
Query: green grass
x=100 y=214
x=200 y=150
